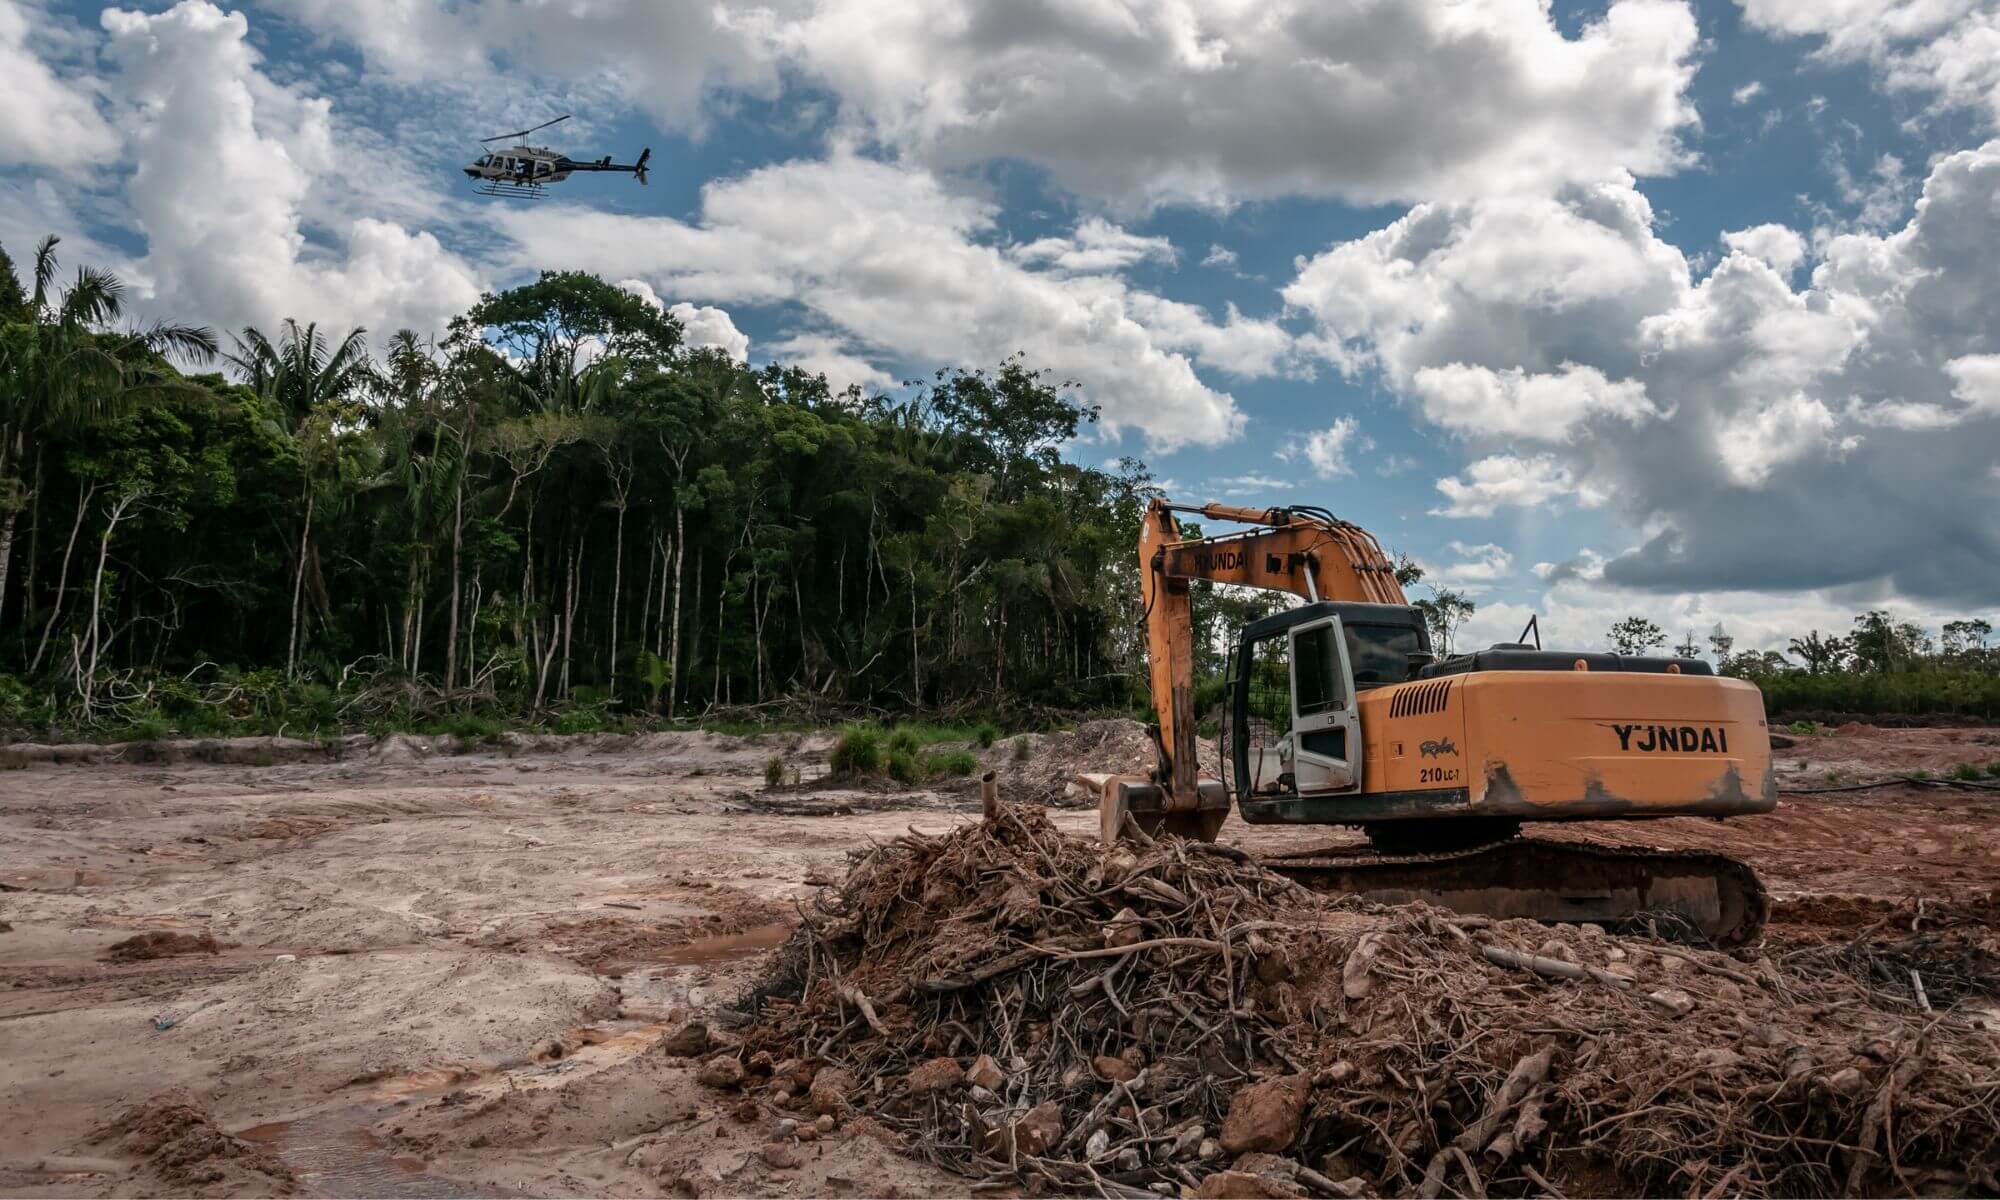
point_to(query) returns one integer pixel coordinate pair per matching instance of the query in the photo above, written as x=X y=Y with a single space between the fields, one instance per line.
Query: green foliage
x=775 y=771
x=951 y=762
x=581 y=718
x=1445 y=611
x=1636 y=635
x=472 y=727
x=904 y=740
x=1921 y=692
x=147 y=725
x=1993 y=769
x=1966 y=771
x=905 y=767
x=858 y=752
x=1807 y=728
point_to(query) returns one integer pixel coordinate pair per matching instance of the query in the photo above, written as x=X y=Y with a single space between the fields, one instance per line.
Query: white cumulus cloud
x=44 y=120
x=1506 y=481
x=1833 y=433
x=223 y=159
x=1948 y=49
x=895 y=266
x=1128 y=102
x=703 y=326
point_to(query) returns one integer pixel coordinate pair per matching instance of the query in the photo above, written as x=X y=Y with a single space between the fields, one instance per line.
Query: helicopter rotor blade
x=500 y=137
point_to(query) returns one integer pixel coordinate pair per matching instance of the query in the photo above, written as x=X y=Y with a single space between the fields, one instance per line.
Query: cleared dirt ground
x=445 y=974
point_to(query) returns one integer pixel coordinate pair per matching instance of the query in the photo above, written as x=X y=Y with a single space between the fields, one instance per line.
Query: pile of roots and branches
x=1022 y=1006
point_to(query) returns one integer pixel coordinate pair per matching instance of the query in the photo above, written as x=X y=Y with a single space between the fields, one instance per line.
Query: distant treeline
x=1880 y=666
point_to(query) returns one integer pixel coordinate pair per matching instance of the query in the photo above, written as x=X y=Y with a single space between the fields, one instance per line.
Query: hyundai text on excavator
x=1339 y=713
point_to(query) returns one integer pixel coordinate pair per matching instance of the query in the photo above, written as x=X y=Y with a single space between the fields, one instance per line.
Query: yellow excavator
x=1338 y=712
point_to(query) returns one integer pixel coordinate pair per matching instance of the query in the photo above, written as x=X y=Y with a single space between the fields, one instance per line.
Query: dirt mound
x=161 y=944
x=1018 y=1005
x=1117 y=745
x=182 y=1152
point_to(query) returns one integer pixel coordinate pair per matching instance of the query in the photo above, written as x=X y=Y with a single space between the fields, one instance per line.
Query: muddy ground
x=439 y=973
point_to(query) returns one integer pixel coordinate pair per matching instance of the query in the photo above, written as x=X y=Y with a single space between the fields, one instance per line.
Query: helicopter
x=521 y=170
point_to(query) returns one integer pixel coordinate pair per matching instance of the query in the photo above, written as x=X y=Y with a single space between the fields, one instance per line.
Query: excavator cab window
x=1381 y=653
x=1317 y=683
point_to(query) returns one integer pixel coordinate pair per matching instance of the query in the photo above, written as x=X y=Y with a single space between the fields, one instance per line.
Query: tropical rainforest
x=556 y=512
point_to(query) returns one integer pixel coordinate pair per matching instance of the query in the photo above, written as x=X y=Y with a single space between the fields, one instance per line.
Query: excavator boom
x=1309 y=553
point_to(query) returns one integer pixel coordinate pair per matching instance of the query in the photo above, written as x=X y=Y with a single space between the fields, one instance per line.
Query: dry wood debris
x=1024 y=1007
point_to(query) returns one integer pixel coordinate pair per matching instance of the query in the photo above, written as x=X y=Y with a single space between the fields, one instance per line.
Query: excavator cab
x=1293 y=726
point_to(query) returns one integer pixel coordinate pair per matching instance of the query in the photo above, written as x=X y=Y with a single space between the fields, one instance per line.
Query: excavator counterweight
x=1339 y=713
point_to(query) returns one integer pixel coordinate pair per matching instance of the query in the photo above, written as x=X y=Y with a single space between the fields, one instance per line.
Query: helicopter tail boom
x=637 y=169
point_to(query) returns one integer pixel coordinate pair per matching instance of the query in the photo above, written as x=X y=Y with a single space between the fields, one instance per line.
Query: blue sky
x=1594 y=310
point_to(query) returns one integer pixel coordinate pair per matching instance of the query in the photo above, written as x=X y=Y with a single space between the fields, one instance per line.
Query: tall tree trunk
x=6 y=551
x=652 y=566
x=62 y=580
x=472 y=628
x=472 y=632
x=799 y=611
x=569 y=611
x=617 y=584
x=299 y=585
x=674 y=635
x=9 y=441
x=457 y=557
x=88 y=677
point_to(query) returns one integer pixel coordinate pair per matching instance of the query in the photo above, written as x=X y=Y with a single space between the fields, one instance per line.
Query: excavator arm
x=1308 y=552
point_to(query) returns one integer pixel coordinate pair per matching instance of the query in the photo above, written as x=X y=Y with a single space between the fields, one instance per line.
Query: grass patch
x=1805 y=728
x=1967 y=771
x=775 y=771
x=952 y=762
x=905 y=767
x=985 y=733
x=858 y=752
x=471 y=728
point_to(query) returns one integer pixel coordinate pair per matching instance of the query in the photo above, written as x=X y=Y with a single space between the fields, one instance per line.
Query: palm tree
x=303 y=372
x=312 y=382
x=63 y=366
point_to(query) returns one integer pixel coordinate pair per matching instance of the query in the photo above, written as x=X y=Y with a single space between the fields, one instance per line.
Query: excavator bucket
x=1148 y=807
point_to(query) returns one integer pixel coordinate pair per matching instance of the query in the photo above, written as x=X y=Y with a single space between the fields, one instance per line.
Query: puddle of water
x=335 y=1153
x=728 y=947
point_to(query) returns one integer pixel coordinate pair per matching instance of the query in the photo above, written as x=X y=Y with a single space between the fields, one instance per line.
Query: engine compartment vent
x=1421 y=700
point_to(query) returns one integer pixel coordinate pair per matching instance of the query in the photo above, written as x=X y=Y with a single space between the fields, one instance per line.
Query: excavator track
x=1694 y=896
